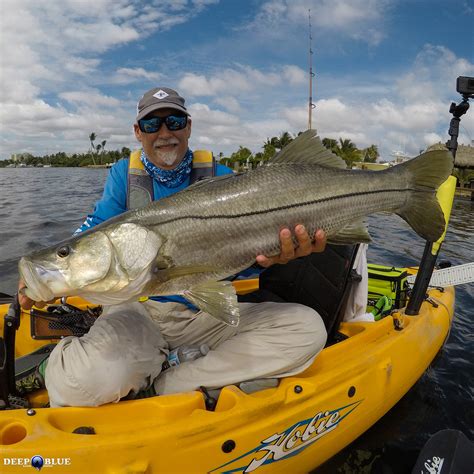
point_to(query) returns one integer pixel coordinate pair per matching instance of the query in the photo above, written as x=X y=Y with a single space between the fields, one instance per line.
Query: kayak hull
x=292 y=428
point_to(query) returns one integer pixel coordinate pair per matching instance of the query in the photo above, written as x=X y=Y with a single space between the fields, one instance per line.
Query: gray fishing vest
x=140 y=183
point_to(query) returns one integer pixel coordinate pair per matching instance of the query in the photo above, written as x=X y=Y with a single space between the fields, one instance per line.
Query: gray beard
x=169 y=158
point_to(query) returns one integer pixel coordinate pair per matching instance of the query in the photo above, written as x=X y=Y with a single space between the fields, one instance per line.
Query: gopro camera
x=465 y=86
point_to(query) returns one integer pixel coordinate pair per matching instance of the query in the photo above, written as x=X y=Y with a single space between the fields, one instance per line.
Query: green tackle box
x=387 y=281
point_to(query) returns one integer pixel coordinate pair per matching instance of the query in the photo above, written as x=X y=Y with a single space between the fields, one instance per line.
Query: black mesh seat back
x=320 y=280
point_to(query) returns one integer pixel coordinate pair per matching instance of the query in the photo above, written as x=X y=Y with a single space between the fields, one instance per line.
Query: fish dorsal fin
x=308 y=148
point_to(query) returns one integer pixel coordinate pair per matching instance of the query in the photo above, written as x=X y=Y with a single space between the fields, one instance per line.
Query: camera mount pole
x=458 y=111
x=432 y=249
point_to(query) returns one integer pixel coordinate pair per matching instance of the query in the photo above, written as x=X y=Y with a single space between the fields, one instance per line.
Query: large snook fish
x=186 y=243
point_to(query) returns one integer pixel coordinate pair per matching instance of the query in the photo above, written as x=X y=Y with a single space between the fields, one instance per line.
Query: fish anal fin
x=218 y=298
x=355 y=232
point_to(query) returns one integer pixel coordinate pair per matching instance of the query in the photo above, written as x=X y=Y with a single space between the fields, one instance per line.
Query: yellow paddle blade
x=445 y=197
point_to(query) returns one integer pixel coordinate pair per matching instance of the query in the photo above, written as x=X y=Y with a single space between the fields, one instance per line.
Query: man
x=123 y=352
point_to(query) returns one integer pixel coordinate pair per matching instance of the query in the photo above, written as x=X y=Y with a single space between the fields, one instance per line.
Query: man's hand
x=27 y=303
x=288 y=250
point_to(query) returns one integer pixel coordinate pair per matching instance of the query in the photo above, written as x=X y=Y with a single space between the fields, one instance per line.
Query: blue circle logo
x=37 y=462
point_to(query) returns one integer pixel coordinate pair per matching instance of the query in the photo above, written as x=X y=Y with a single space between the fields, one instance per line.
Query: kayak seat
x=321 y=281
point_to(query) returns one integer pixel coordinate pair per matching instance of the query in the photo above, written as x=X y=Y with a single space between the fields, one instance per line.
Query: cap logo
x=160 y=94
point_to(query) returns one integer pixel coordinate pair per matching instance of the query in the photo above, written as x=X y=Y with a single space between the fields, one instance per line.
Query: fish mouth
x=38 y=280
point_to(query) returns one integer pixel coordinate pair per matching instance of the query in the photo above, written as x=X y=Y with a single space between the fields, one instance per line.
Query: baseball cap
x=160 y=98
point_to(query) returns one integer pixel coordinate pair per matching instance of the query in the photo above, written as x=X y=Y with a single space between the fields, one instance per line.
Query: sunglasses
x=153 y=124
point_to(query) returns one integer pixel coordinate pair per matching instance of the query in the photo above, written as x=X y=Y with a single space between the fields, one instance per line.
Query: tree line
x=97 y=155
x=243 y=158
x=62 y=159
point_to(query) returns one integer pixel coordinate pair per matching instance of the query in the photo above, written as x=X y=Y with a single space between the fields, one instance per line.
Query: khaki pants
x=126 y=347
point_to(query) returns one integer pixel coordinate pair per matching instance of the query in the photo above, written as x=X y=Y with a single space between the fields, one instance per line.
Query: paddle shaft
x=450 y=276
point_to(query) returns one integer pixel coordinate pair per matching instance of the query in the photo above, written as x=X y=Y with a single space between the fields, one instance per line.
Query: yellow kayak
x=294 y=427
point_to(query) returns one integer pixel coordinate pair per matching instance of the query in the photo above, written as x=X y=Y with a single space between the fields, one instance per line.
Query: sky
x=385 y=70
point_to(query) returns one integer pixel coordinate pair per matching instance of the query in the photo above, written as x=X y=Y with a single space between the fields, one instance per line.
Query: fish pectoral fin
x=218 y=298
x=355 y=232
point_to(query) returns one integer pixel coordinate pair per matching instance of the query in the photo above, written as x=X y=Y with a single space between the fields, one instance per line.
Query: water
x=44 y=205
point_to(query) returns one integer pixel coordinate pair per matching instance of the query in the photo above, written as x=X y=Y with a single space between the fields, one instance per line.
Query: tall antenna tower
x=311 y=106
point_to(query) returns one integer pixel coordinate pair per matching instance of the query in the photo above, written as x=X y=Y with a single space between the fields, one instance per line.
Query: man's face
x=165 y=148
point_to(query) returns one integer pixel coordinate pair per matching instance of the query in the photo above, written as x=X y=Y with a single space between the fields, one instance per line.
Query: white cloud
x=430 y=138
x=204 y=3
x=294 y=75
x=434 y=68
x=231 y=104
x=125 y=75
x=81 y=66
x=51 y=54
x=92 y=99
x=422 y=115
x=207 y=117
x=228 y=81
x=225 y=132
x=240 y=81
x=359 y=19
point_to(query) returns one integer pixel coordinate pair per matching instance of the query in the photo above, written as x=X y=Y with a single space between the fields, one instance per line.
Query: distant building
x=399 y=157
x=464 y=157
x=20 y=157
x=361 y=165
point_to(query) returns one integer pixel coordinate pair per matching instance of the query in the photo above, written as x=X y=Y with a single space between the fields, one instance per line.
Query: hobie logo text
x=283 y=444
x=290 y=441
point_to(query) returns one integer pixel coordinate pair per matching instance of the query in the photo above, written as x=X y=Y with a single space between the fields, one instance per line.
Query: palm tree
x=241 y=157
x=331 y=144
x=284 y=139
x=92 y=138
x=125 y=152
x=348 y=151
x=371 y=154
x=269 y=150
x=279 y=142
x=463 y=175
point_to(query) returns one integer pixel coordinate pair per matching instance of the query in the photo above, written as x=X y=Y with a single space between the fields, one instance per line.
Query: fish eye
x=63 y=251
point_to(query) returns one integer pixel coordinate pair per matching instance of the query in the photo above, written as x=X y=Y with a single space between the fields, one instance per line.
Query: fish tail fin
x=424 y=174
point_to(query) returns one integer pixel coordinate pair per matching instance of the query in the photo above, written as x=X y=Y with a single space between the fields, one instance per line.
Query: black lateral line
x=282 y=208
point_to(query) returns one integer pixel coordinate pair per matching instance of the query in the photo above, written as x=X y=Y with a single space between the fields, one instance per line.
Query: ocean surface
x=41 y=206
